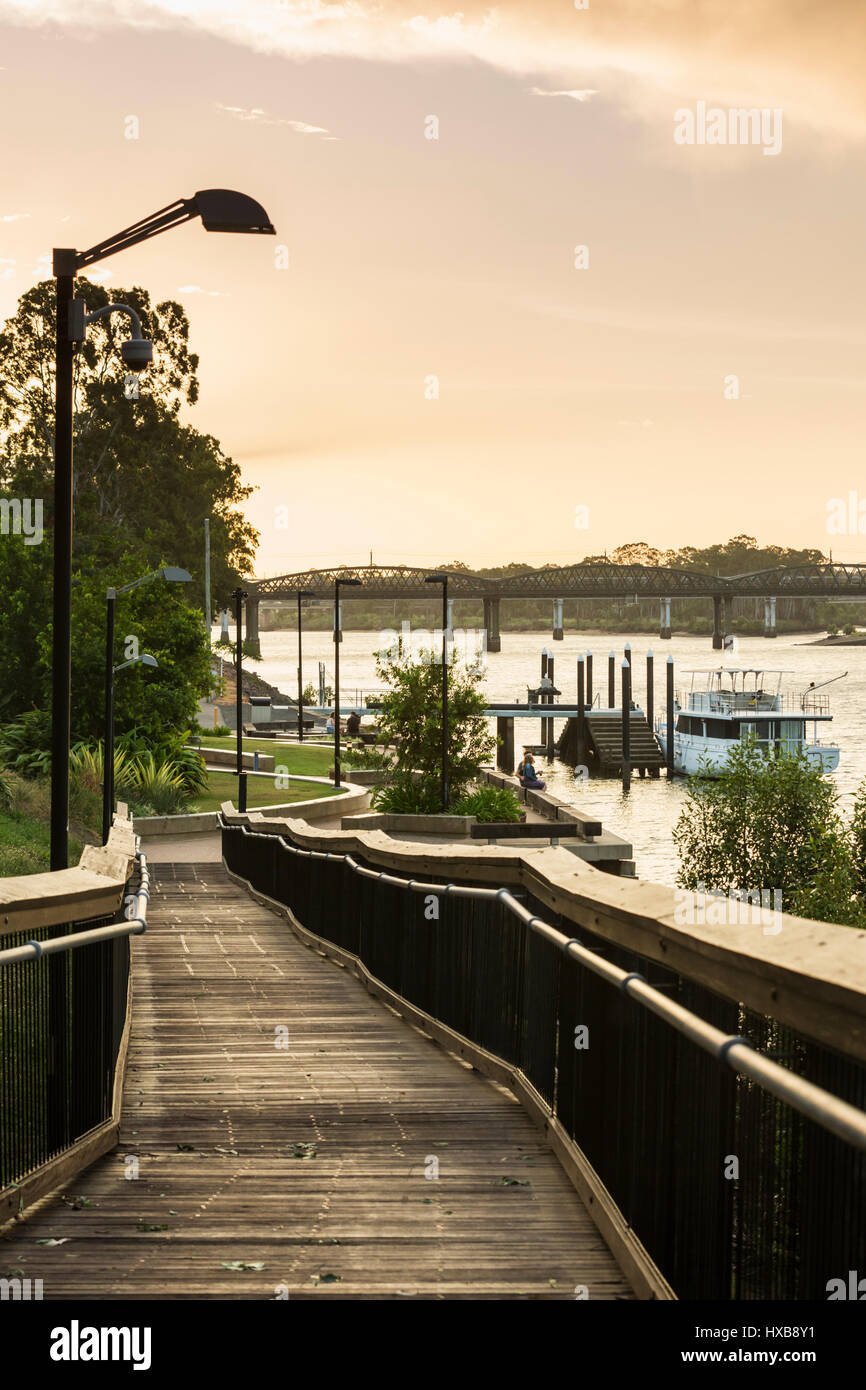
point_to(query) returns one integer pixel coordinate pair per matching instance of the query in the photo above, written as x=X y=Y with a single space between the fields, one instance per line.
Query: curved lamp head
x=175 y=575
x=223 y=210
x=144 y=660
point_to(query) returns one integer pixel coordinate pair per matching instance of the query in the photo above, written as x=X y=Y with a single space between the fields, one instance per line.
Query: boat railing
x=745 y=703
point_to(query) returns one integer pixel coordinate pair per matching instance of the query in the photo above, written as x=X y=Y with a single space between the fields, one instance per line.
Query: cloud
x=15 y=216
x=255 y=113
x=805 y=58
x=197 y=289
x=586 y=95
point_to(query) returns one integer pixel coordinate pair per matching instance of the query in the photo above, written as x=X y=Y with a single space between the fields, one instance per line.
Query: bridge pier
x=665 y=620
x=505 y=746
x=491 y=624
x=769 y=617
x=450 y=620
x=251 y=623
x=557 y=620
x=720 y=621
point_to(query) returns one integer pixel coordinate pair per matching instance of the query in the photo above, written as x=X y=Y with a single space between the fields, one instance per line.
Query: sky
x=421 y=364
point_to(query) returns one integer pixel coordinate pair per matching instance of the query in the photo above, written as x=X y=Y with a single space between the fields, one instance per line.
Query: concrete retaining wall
x=205 y=822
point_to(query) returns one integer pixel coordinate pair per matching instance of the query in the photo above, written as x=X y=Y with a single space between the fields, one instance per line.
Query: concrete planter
x=452 y=826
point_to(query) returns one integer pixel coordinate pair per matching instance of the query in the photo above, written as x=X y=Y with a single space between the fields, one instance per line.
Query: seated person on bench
x=529 y=778
x=353 y=723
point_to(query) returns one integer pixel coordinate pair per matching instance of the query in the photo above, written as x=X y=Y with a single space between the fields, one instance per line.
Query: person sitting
x=329 y=727
x=353 y=723
x=530 y=778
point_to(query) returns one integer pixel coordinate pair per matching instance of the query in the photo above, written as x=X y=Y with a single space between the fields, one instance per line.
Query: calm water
x=646 y=814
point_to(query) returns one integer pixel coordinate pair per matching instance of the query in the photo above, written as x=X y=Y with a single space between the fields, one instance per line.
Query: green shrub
x=25 y=744
x=848 y=630
x=188 y=763
x=489 y=804
x=406 y=796
x=158 y=787
x=363 y=755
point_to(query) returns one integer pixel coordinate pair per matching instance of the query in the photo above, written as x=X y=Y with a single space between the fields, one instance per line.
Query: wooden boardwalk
x=281 y=1123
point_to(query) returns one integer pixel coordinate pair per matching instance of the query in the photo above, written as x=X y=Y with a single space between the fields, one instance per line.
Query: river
x=646 y=814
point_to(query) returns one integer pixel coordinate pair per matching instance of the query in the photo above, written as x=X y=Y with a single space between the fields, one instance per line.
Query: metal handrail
x=827 y=1110
x=133 y=926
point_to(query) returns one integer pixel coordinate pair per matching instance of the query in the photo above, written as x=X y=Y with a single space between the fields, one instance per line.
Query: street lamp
x=302 y=593
x=239 y=595
x=220 y=210
x=174 y=576
x=337 y=582
x=108 y=775
x=443 y=580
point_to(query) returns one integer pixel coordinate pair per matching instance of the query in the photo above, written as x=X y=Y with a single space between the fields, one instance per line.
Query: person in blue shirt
x=530 y=778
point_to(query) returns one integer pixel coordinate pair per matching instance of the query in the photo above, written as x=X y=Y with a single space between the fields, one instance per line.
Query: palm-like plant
x=160 y=785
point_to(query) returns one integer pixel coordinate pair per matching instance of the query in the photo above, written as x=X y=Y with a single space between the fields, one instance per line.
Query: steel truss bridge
x=829 y=580
x=589 y=581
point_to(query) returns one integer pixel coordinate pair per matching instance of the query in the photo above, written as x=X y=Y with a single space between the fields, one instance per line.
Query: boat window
x=721 y=728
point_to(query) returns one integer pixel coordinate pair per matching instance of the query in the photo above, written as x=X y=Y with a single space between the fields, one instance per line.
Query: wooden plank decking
x=306 y=1158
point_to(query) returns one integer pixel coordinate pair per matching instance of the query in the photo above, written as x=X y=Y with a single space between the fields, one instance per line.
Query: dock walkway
x=279 y=1127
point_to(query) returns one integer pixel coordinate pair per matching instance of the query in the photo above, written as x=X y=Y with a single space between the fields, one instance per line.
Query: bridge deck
x=216 y=1114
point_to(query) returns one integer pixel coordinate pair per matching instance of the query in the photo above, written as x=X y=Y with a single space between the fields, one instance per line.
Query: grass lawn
x=312 y=762
x=25 y=845
x=223 y=786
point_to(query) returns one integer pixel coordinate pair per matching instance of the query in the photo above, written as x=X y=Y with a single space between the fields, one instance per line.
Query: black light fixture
x=173 y=575
x=220 y=210
x=356 y=583
x=302 y=593
x=443 y=580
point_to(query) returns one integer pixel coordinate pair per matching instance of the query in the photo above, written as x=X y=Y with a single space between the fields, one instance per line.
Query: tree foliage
x=142 y=475
x=412 y=718
x=770 y=823
x=144 y=481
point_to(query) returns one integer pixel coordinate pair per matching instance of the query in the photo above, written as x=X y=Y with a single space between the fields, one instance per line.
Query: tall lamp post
x=443 y=580
x=220 y=210
x=239 y=595
x=174 y=576
x=337 y=582
x=302 y=593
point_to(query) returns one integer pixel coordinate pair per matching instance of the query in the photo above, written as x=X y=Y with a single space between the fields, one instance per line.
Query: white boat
x=730 y=704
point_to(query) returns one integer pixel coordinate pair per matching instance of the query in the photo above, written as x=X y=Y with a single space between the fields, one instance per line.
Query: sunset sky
x=412 y=258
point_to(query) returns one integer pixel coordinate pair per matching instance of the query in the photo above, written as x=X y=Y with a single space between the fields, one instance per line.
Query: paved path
x=279 y=1125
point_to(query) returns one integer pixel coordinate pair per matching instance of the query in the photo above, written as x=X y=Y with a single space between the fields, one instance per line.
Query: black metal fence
x=735 y=1193
x=62 y=1015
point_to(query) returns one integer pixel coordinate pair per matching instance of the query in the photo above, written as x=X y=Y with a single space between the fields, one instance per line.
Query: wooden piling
x=669 y=755
x=611 y=680
x=626 y=725
x=549 y=739
x=581 y=713
x=589 y=680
